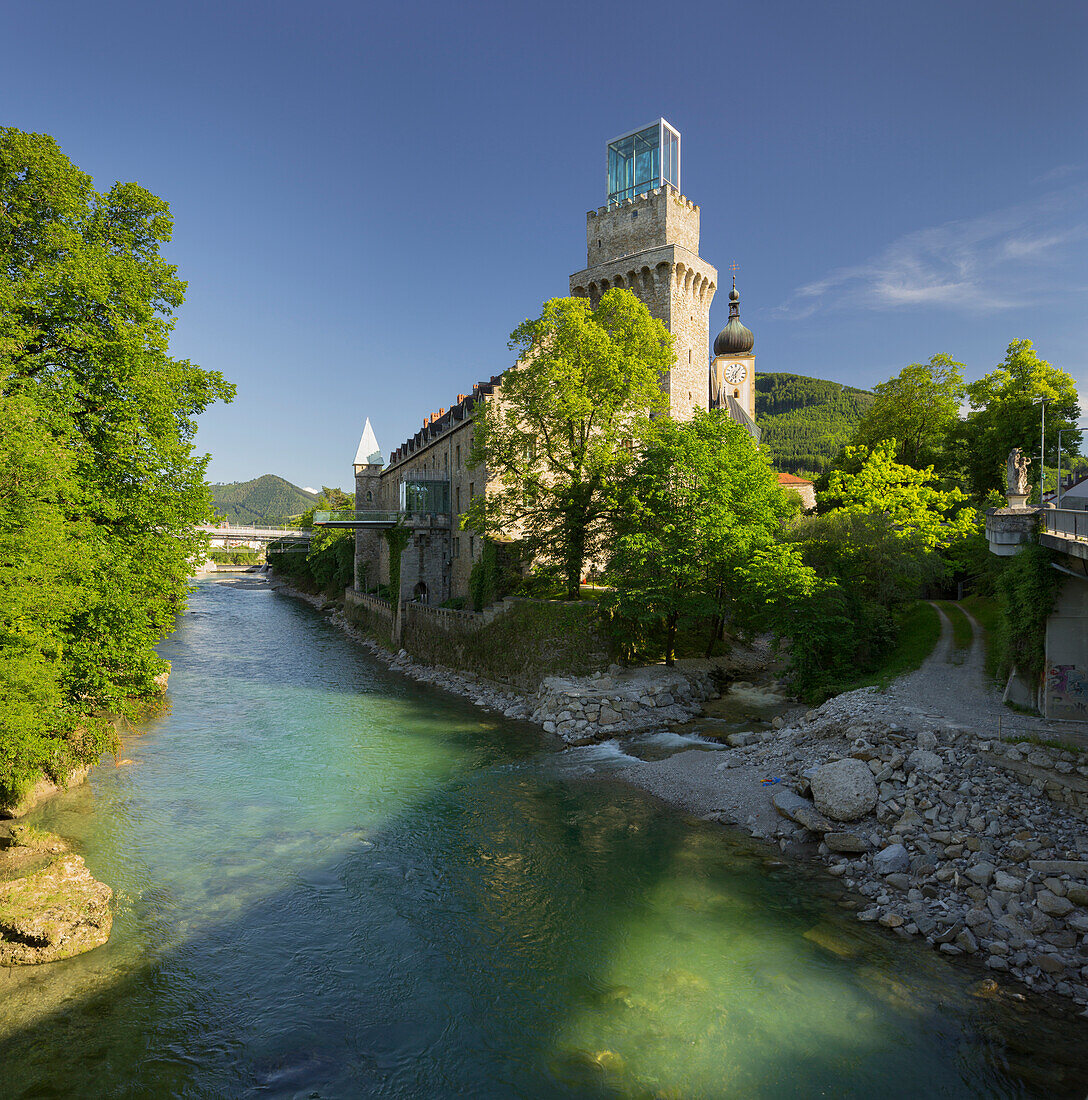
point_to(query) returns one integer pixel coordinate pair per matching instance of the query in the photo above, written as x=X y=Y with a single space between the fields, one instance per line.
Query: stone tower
x=733 y=372
x=646 y=239
x=368 y=478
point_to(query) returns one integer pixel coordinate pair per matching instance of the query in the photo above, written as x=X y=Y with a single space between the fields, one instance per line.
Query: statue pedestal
x=1008 y=530
x=1017 y=500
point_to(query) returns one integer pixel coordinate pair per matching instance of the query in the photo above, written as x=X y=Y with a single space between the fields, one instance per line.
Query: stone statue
x=1017 y=466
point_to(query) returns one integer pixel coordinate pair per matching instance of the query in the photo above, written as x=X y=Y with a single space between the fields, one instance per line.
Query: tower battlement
x=646 y=240
x=653 y=219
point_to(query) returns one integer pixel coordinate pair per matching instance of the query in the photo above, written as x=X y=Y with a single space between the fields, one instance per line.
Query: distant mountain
x=805 y=421
x=263 y=500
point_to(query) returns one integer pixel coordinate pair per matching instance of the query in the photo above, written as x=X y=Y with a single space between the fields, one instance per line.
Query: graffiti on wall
x=1067 y=689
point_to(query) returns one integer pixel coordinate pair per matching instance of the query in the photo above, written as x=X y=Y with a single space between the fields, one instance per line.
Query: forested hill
x=265 y=499
x=805 y=421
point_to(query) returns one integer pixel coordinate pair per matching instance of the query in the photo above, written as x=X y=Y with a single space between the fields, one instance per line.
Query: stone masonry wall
x=650 y=245
x=1058 y=773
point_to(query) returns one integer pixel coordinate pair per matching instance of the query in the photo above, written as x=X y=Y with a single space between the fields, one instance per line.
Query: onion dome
x=735 y=338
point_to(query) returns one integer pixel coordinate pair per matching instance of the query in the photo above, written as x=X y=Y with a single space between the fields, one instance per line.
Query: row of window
x=432 y=462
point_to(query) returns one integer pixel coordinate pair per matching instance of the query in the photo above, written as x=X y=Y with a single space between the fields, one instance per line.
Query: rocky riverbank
x=51 y=907
x=946 y=844
x=580 y=710
x=929 y=825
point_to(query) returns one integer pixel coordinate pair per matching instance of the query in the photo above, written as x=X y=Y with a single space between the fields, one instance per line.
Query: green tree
x=87 y=304
x=329 y=500
x=908 y=501
x=919 y=409
x=558 y=435
x=885 y=531
x=697 y=531
x=1003 y=415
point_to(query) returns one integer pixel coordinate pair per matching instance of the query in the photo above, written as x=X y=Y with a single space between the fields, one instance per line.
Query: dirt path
x=963 y=693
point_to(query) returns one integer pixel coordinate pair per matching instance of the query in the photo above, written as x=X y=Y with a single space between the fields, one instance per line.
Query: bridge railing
x=242 y=530
x=351 y=518
x=1066 y=523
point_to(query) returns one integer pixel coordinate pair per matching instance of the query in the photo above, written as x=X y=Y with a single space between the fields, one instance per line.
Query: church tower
x=646 y=239
x=733 y=372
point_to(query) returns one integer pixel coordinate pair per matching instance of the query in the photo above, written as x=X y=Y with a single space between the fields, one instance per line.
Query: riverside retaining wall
x=517 y=642
x=1058 y=773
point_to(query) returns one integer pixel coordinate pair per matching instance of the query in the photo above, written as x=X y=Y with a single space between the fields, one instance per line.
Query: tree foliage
x=805 y=421
x=557 y=436
x=883 y=535
x=267 y=499
x=919 y=409
x=697 y=529
x=98 y=422
x=1003 y=415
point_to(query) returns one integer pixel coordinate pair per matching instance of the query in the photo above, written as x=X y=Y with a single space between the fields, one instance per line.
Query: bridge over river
x=241 y=532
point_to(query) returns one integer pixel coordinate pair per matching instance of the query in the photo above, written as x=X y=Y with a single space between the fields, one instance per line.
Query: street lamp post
x=1041 y=402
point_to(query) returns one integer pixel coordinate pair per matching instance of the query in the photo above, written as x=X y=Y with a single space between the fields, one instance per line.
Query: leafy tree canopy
x=562 y=428
x=101 y=524
x=697 y=530
x=1003 y=415
x=908 y=501
x=919 y=409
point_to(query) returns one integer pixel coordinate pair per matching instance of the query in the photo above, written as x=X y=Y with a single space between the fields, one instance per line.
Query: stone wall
x=620 y=701
x=650 y=246
x=374 y=616
x=517 y=642
x=1060 y=774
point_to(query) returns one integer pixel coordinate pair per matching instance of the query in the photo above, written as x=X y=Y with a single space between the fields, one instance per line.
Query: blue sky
x=369 y=198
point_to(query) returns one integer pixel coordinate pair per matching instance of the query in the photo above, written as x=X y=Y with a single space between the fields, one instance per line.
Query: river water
x=333 y=882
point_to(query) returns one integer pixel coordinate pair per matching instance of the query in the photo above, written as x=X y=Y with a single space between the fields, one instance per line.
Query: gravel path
x=964 y=695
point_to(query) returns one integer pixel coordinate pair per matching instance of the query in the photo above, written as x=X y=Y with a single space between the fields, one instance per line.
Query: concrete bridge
x=241 y=532
x=1063 y=694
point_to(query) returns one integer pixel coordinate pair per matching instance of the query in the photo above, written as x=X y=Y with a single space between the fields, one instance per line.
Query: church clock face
x=736 y=373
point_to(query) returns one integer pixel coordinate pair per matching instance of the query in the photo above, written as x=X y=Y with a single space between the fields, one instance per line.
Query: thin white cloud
x=1059 y=172
x=977 y=264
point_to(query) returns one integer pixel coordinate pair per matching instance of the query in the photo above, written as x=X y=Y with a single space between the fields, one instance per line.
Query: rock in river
x=50 y=906
x=844 y=790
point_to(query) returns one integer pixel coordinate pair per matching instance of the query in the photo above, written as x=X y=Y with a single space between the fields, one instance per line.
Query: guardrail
x=1066 y=523
x=351 y=518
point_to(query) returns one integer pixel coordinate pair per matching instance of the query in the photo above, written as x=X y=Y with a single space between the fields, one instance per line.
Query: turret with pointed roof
x=368 y=453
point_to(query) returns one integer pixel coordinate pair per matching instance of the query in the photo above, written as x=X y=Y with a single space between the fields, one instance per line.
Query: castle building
x=645 y=239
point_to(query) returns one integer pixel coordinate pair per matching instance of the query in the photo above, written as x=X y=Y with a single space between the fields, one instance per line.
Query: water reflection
x=375 y=892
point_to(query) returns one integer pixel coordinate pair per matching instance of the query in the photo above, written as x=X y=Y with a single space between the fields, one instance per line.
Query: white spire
x=369 y=453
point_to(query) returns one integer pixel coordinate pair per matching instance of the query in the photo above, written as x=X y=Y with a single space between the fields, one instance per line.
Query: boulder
x=923 y=760
x=1053 y=905
x=799 y=809
x=982 y=873
x=1004 y=881
x=895 y=858
x=846 y=842
x=54 y=912
x=844 y=790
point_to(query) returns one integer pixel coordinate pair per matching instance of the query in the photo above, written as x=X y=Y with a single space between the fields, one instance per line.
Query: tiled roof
x=790 y=479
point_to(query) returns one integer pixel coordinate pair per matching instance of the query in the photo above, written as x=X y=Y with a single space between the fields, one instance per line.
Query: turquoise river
x=332 y=882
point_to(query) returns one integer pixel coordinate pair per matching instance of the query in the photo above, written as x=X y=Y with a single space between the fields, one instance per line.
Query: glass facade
x=426 y=495
x=642 y=160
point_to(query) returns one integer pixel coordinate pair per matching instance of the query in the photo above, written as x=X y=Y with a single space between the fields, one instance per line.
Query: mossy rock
x=50 y=905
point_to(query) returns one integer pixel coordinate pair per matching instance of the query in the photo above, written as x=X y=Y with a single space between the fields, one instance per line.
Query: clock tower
x=733 y=371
